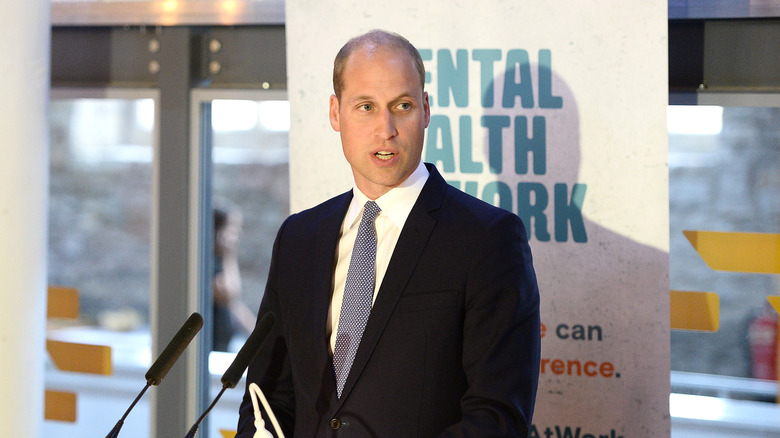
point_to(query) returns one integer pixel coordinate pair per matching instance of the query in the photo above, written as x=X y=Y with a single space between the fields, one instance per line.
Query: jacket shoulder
x=336 y=205
x=450 y=202
x=467 y=208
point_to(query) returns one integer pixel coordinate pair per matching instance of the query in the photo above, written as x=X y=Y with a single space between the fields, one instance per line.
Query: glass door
x=245 y=181
x=100 y=225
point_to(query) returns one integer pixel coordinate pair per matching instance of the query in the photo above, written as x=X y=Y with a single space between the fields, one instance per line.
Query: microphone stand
x=194 y=429
x=164 y=362
x=236 y=369
x=115 y=431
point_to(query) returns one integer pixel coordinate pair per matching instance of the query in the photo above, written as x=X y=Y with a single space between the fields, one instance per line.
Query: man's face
x=382 y=116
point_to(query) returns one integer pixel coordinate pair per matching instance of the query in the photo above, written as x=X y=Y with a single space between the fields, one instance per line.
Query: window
x=724 y=175
x=99 y=243
x=250 y=182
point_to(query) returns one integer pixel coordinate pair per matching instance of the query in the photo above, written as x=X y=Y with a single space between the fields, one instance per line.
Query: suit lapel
x=407 y=252
x=327 y=238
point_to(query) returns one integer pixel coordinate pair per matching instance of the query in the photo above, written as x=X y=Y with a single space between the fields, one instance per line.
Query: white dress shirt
x=396 y=206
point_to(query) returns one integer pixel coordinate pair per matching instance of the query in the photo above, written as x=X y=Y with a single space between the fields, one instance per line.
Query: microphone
x=164 y=362
x=236 y=369
x=160 y=367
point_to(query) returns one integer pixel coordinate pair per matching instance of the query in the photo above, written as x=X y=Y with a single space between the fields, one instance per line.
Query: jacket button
x=335 y=423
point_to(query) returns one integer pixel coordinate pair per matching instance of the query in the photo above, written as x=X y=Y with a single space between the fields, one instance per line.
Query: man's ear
x=426 y=108
x=334 y=113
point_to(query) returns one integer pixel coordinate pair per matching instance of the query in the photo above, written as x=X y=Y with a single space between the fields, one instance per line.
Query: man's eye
x=405 y=106
x=365 y=107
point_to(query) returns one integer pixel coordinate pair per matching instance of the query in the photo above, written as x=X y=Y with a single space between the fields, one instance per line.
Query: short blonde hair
x=376 y=37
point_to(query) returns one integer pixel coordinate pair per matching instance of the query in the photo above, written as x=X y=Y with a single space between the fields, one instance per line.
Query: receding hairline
x=372 y=42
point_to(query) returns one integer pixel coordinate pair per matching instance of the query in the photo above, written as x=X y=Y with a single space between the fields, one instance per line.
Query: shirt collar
x=395 y=204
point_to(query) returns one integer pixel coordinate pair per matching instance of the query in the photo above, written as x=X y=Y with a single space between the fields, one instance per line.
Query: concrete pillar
x=24 y=186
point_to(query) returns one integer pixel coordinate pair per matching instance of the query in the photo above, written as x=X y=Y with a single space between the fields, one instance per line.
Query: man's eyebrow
x=361 y=97
x=402 y=96
x=405 y=95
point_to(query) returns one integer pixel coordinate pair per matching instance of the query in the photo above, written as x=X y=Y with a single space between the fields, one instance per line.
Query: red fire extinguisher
x=762 y=336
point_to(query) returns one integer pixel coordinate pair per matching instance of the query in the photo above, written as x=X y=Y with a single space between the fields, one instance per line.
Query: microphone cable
x=260 y=430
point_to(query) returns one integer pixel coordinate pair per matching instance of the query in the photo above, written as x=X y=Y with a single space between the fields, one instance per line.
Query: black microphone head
x=178 y=344
x=248 y=351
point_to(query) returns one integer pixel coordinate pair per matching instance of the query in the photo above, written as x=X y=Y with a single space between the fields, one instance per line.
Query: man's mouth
x=383 y=155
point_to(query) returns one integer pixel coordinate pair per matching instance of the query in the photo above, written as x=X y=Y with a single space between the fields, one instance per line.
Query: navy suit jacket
x=451 y=347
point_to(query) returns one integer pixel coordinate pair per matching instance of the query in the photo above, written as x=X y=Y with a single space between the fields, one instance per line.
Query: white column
x=24 y=160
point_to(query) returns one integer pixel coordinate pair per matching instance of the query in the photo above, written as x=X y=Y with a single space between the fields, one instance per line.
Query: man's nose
x=386 y=128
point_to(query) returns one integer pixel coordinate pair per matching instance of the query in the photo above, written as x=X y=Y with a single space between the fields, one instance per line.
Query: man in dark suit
x=449 y=341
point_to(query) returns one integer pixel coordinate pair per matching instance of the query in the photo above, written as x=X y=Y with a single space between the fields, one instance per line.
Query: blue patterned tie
x=358 y=295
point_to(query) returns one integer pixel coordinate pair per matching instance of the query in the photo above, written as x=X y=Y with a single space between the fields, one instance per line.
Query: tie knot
x=371 y=210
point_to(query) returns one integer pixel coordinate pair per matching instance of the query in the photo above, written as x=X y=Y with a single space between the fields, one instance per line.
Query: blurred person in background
x=230 y=312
